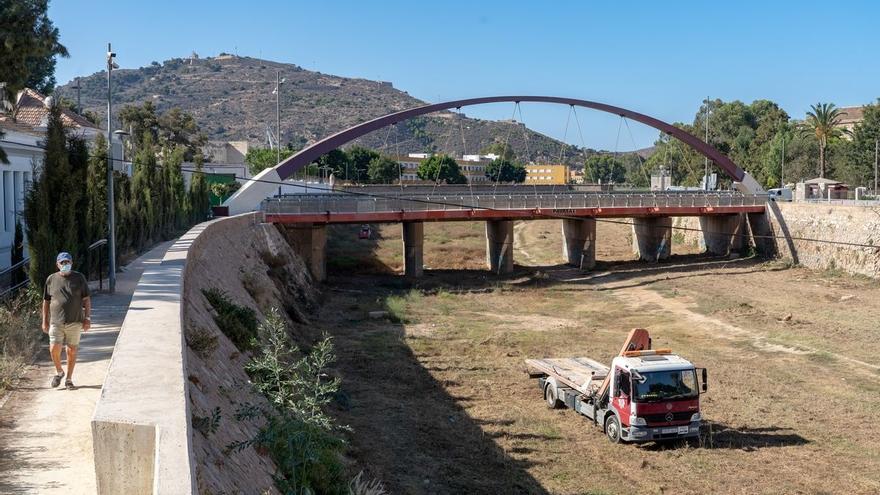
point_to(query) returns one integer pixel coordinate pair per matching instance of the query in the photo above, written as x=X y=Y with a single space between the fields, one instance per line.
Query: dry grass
x=20 y=336
x=442 y=403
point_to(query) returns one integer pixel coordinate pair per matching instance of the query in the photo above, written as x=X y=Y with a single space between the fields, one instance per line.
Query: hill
x=232 y=99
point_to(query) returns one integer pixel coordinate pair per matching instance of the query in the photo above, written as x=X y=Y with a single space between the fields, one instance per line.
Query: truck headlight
x=637 y=421
x=696 y=417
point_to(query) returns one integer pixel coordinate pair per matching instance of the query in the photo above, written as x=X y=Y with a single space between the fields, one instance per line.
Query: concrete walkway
x=45 y=433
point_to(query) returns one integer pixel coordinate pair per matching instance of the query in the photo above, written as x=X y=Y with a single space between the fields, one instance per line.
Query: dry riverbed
x=439 y=400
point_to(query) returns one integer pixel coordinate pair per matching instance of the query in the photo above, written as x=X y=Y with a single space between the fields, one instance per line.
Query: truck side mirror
x=705 y=380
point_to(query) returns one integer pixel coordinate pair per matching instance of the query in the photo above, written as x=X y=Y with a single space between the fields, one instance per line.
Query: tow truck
x=646 y=395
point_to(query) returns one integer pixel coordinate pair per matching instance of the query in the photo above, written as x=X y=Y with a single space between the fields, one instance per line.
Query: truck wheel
x=550 y=396
x=612 y=429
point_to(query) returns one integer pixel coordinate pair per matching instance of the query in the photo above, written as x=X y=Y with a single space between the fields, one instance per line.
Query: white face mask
x=66 y=268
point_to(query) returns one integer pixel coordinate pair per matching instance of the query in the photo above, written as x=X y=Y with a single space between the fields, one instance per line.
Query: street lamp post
x=278 y=83
x=111 y=214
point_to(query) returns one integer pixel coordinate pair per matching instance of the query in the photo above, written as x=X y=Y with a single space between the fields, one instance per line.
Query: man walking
x=66 y=313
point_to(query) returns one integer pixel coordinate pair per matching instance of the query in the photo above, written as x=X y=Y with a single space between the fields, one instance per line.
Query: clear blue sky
x=658 y=58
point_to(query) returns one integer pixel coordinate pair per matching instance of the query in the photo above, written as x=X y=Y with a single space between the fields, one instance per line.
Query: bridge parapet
x=349 y=207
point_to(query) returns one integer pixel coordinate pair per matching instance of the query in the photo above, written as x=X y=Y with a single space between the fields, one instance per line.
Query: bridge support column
x=413 y=248
x=724 y=233
x=579 y=242
x=499 y=246
x=652 y=238
x=310 y=241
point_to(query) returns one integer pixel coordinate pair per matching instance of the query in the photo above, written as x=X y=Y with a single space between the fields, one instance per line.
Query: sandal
x=69 y=385
x=56 y=380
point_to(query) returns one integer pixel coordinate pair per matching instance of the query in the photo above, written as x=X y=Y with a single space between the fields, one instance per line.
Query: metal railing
x=341 y=203
x=13 y=278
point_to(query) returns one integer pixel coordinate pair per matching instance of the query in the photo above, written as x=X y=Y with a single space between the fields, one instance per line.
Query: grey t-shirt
x=65 y=295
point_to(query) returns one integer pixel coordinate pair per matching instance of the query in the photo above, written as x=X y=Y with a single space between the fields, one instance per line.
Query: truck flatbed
x=582 y=374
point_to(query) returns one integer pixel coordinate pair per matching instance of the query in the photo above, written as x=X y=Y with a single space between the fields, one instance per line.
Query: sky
x=657 y=58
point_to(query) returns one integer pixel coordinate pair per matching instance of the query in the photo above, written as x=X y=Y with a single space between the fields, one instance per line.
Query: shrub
x=239 y=323
x=301 y=438
x=201 y=341
x=20 y=334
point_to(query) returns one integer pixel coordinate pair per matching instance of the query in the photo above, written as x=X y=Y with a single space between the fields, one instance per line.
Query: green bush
x=301 y=438
x=239 y=323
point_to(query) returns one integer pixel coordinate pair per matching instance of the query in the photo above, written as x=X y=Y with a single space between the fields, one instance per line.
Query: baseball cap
x=63 y=256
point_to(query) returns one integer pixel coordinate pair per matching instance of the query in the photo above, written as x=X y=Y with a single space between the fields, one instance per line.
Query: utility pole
x=111 y=216
x=706 y=177
x=78 y=105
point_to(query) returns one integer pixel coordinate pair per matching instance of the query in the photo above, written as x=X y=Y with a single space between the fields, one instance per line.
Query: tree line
x=66 y=207
x=366 y=166
x=759 y=137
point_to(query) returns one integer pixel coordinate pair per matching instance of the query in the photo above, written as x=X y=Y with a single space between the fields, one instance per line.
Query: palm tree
x=823 y=121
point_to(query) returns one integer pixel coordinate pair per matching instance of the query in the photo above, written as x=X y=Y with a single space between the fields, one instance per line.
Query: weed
x=239 y=323
x=201 y=341
x=396 y=306
x=250 y=284
x=207 y=425
x=822 y=357
x=273 y=260
x=297 y=433
x=360 y=486
x=20 y=336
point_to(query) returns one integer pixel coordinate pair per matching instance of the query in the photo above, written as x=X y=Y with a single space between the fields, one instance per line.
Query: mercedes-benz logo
x=669 y=417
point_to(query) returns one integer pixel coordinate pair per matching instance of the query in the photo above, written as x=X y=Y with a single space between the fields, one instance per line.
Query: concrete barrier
x=141 y=429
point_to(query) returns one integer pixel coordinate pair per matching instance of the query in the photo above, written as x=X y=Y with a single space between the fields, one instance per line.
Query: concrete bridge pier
x=413 y=248
x=499 y=246
x=724 y=233
x=310 y=242
x=652 y=238
x=579 y=242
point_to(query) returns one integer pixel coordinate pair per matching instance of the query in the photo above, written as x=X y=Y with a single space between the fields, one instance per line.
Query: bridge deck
x=345 y=208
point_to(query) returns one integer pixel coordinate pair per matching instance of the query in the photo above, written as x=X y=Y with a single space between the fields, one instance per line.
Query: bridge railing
x=340 y=203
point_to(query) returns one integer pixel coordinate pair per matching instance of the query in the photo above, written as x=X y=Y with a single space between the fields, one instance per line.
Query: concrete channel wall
x=794 y=223
x=141 y=429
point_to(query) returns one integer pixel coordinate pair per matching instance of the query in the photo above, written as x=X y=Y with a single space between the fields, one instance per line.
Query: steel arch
x=311 y=153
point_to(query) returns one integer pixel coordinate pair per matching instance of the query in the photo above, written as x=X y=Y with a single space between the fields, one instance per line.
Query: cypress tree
x=18 y=253
x=51 y=204
x=177 y=216
x=143 y=221
x=96 y=196
x=198 y=192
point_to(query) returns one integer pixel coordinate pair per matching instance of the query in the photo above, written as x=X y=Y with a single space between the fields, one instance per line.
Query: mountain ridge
x=232 y=99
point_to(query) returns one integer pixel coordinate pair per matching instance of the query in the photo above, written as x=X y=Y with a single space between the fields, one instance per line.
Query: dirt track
x=441 y=404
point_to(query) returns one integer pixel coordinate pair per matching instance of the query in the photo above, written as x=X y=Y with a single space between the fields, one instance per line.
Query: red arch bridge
x=723 y=215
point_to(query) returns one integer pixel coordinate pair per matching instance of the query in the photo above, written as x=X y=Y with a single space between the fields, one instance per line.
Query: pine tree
x=51 y=204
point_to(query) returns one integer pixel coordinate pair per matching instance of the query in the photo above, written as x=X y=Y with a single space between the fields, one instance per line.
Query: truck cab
x=653 y=395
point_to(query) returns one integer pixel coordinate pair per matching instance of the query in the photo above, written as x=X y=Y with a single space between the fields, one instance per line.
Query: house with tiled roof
x=32 y=108
x=24 y=129
x=849 y=117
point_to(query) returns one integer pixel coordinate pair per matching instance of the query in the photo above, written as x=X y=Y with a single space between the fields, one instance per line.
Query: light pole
x=77 y=88
x=111 y=214
x=278 y=83
x=706 y=177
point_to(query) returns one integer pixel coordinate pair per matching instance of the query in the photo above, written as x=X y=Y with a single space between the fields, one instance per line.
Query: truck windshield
x=664 y=385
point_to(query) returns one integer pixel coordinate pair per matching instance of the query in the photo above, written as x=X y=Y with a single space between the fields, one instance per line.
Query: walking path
x=45 y=433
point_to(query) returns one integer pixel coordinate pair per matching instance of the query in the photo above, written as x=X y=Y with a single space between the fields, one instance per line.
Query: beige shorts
x=67 y=333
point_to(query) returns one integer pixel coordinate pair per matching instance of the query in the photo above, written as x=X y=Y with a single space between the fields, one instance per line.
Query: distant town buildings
x=849 y=117
x=473 y=167
x=547 y=174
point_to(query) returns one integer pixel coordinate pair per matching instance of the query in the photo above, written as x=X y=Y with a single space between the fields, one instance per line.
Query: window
x=623 y=384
